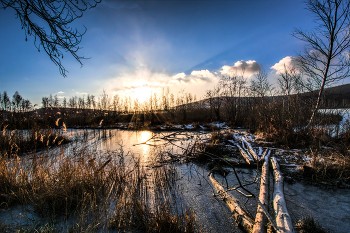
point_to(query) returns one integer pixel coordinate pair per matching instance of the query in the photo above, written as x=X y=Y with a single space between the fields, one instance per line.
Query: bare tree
x=326 y=57
x=45 y=102
x=115 y=103
x=260 y=86
x=288 y=80
x=215 y=99
x=56 y=101
x=93 y=101
x=16 y=101
x=64 y=102
x=105 y=101
x=26 y=105
x=6 y=101
x=37 y=16
x=81 y=102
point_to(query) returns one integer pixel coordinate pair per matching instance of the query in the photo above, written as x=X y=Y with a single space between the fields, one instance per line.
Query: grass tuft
x=309 y=225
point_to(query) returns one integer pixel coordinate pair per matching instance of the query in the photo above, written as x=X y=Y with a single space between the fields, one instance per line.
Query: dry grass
x=16 y=142
x=93 y=192
x=328 y=166
x=309 y=225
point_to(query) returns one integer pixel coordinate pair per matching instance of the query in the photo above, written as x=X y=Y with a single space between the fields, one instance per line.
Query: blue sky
x=181 y=44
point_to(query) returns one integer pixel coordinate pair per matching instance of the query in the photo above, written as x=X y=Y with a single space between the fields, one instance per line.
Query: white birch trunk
x=251 y=150
x=261 y=218
x=242 y=218
x=245 y=155
x=283 y=219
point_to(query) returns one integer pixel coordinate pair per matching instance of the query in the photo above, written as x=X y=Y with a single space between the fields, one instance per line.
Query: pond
x=330 y=207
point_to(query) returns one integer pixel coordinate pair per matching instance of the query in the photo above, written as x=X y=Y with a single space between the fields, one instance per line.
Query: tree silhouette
x=16 y=101
x=326 y=57
x=48 y=21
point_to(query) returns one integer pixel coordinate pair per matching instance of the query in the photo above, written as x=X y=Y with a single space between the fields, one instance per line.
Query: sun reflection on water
x=145 y=135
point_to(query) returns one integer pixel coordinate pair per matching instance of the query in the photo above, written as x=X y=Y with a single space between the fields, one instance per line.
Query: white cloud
x=204 y=75
x=180 y=77
x=247 y=68
x=196 y=76
x=81 y=93
x=284 y=62
x=60 y=92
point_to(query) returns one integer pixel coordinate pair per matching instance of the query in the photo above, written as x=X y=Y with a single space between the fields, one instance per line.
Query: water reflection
x=145 y=136
x=142 y=144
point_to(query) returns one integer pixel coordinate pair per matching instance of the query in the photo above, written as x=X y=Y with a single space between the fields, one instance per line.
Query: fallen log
x=242 y=218
x=251 y=150
x=261 y=218
x=246 y=156
x=266 y=153
x=283 y=219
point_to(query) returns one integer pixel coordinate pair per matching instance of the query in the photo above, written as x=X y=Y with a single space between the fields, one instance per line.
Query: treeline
x=16 y=104
x=252 y=103
x=119 y=104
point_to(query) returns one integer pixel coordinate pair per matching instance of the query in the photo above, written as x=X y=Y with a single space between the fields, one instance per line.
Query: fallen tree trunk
x=266 y=153
x=251 y=150
x=261 y=218
x=246 y=156
x=283 y=219
x=242 y=218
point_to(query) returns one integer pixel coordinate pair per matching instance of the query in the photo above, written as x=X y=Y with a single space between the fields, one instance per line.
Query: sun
x=142 y=94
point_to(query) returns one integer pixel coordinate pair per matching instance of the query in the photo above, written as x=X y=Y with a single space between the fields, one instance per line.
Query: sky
x=140 y=47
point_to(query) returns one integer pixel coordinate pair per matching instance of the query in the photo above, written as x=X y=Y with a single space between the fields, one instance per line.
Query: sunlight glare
x=145 y=135
x=142 y=94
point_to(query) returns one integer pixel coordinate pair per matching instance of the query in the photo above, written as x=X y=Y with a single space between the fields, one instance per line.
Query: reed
x=91 y=192
x=15 y=142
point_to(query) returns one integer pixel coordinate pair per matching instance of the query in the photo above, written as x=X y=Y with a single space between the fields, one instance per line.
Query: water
x=343 y=126
x=330 y=207
x=344 y=112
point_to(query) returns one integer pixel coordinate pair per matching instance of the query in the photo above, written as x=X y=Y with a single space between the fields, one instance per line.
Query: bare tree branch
x=48 y=21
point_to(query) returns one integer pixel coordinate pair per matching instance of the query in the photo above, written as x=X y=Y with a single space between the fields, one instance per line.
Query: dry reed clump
x=60 y=186
x=148 y=205
x=16 y=142
x=328 y=166
x=309 y=225
x=93 y=192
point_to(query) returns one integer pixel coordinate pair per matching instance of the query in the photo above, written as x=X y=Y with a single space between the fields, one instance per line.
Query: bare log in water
x=261 y=218
x=266 y=154
x=251 y=150
x=283 y=219
x=245 y=155
x=242 y=218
